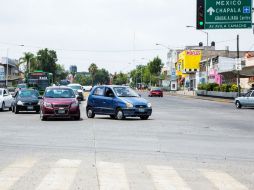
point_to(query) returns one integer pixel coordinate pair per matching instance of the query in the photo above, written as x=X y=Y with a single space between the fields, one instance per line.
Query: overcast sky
x=105 y=31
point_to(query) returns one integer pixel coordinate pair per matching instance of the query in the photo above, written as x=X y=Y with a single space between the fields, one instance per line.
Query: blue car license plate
x=142 y=110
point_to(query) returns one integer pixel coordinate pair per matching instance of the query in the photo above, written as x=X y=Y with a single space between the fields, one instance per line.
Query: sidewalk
x=191 y=94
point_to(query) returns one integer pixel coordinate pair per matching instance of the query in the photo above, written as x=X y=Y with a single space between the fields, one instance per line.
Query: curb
x=220 y=100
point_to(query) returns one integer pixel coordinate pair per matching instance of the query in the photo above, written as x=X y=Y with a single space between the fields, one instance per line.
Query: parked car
x=26 y=100
x=117 y=102
x=155 y=91
x=79 y=90
x=245 y=101
x=5 y=99
x=59 y=102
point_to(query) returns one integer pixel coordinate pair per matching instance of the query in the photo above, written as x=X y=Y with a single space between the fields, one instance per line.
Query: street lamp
x=157 y=44
x=207 y=34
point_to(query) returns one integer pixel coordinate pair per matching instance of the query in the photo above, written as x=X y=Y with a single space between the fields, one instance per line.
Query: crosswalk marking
x=112 y=176
x=61 y=175
x=11 y=174
x=166 y=178
x=223 y=180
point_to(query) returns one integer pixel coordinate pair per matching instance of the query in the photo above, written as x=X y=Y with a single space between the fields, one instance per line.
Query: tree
x=155 y=66
x=120 y=79
x=61 y=73
x=146 y=75
x=102 y=77
x=47 y=61
x=27 y=58
x=80 y=79
x=92 y=70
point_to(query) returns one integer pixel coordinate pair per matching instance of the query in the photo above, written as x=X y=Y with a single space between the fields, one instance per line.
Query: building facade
x=73 y=69
x=9 y=72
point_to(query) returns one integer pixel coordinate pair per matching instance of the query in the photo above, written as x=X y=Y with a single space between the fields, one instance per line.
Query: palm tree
x=93 y=70
x=27 y=58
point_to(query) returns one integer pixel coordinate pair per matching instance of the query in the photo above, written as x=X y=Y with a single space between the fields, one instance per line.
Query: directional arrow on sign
x=211 y=11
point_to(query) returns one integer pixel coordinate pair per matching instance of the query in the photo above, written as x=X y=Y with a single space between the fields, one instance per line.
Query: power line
x=84 y=50
x=231 y=40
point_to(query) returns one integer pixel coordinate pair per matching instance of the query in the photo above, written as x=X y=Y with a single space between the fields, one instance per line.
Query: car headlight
x=129 y=105
x=48 y=105
x=19 y=103
x=149 y=105
x=75 y=104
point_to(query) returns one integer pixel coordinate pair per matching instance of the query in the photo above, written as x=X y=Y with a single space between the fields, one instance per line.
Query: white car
x=5 y=99
x=79 y=89
x=87 y=88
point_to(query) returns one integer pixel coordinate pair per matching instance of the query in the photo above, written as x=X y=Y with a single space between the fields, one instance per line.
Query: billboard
x=190 y=60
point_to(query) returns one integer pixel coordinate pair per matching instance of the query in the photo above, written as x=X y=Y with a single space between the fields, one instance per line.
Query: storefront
x=187 y=66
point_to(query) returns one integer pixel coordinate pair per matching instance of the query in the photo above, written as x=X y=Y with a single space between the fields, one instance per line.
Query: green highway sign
x=227 y=14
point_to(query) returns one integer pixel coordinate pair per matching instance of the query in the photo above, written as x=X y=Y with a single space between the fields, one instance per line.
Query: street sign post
x=238 y=65
x=226 y=14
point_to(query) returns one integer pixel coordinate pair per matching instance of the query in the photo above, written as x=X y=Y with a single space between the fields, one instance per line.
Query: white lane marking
x=112 y=176
x=166 y=178
x=12 y=173
x=61 y=176
x=222 y=180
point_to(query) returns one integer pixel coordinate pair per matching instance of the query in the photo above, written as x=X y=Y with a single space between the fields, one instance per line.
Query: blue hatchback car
x=118 y=102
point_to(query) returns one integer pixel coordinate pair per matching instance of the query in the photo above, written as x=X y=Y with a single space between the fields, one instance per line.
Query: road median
x=193 y=96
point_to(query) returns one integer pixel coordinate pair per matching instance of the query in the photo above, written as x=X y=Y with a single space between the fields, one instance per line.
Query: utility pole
x=238 y=72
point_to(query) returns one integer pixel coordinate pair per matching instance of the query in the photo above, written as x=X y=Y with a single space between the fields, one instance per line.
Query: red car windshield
x=156 y=89
x=59 y=93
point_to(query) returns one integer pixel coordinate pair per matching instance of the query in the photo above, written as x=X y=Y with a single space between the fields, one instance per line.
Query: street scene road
x=187 y=143
x=127 y=95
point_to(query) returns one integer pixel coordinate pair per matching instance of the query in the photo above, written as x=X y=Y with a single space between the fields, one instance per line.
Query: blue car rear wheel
x=90 y=113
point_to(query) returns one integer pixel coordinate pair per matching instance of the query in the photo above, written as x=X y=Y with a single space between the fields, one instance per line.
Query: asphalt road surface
x=187 y=144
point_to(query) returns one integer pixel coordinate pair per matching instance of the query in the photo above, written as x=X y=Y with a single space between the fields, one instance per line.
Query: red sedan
x=59 y=102
x=155 y=91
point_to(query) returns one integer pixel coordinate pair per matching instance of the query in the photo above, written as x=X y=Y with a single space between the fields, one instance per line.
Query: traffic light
x=200 y=14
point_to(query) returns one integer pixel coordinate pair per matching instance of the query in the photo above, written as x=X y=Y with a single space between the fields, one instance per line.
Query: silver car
x=246 y=101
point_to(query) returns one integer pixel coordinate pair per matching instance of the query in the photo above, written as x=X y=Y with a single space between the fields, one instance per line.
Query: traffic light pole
x=238 y=72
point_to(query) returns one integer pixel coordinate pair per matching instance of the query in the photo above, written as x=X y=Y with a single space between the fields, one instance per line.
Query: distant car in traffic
x=64 y=82
x=245 y=101
x=26 y=100
x=5 y=99
x=21 y=86
x=87 y=88
x=79 y=89
x=155 y=91
x=118 y=102
x=59 y=102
